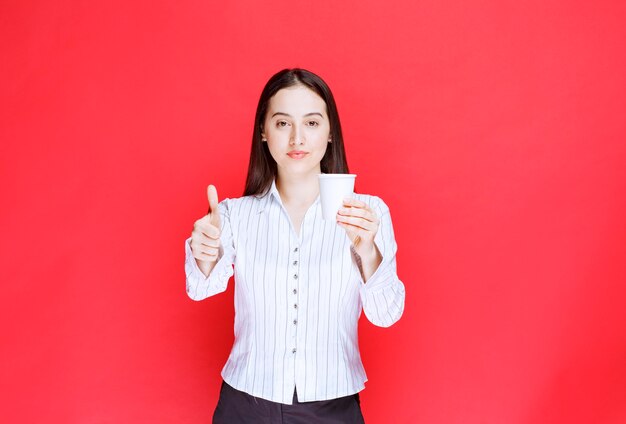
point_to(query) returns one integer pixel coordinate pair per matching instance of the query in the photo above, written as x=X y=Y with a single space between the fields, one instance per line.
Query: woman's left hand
x=361 y=225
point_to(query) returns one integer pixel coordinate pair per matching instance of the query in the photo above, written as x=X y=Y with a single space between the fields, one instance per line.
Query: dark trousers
x=237 y=407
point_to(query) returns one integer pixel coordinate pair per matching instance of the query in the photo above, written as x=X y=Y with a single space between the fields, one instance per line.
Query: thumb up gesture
x=205 y=237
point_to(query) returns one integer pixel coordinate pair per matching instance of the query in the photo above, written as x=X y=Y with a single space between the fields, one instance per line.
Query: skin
x=297 y=131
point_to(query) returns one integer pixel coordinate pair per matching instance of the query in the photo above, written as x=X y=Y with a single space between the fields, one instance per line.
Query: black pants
x=237 y=407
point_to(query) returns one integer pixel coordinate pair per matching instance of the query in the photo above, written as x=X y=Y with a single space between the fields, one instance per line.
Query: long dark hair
x=262 y=168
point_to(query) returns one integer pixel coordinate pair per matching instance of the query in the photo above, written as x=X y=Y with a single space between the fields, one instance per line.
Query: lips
x=297 y=154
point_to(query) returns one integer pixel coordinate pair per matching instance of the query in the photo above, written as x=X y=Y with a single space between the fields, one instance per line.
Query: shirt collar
x=274 y=191
x=266 y=198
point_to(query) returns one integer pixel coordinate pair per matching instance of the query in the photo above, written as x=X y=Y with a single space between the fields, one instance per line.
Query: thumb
x=213 y=202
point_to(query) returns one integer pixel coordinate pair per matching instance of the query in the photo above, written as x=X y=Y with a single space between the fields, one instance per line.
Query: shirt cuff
x=383 y=277
x=200 y=286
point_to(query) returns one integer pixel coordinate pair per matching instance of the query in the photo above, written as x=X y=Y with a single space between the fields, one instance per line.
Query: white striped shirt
x=297 y=299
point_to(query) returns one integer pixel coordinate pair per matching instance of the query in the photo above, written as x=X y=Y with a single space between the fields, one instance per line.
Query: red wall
x=495 y=130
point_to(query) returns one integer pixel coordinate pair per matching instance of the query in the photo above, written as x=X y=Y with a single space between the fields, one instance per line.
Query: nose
x=297 y=136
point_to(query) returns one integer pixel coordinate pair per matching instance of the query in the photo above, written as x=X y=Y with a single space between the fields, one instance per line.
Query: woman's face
x=297 y=130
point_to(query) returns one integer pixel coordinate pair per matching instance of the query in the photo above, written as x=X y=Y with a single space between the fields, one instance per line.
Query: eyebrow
x=308 y=114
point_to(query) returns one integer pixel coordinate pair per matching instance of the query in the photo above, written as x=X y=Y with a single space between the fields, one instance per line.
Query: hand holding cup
x=361 y=224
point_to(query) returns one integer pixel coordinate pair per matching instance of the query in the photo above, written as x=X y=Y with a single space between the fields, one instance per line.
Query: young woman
x=300 y=282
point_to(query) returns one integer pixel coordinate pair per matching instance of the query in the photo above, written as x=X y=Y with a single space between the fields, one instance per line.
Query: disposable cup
x=333 y=189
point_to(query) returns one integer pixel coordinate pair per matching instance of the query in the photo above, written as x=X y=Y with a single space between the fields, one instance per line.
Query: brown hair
x=262 y=168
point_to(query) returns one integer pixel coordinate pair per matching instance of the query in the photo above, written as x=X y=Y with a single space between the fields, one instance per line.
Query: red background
x=495 y=131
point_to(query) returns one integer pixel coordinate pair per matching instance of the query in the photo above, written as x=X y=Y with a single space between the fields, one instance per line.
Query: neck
x=298 y=190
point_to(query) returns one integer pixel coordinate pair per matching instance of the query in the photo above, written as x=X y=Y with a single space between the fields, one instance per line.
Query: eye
x=312 y=123
x=281 y=124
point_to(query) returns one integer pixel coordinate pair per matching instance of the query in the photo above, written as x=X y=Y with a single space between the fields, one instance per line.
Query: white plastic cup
x=333 y=189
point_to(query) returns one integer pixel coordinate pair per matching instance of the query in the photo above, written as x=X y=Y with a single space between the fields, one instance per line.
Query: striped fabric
x=297 y=299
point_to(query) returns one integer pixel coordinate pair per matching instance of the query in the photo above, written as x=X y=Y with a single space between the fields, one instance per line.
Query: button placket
x=294 y=271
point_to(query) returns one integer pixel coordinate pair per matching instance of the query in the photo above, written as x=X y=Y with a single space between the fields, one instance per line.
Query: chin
x=300 y=170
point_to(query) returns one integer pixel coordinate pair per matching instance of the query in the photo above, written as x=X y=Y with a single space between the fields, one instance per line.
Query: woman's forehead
x=296 y=100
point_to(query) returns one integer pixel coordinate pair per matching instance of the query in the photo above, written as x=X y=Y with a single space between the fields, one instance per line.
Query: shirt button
x=295 y=263
x=293 y=350
x=295 y=321
x=295 y=306
x=295 y=276
x=295 y=250
x=295 y=291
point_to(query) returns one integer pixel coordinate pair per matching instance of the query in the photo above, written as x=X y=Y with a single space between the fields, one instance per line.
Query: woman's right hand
x=205 y=237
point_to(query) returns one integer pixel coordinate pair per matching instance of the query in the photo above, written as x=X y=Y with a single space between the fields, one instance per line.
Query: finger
x=211 y=192
x=209 y=230
x=209 y=251
x=359 y=212
x=351 y=201
x=357 y=222
x=204 y=252
x=198 y=248
x=210 y=243
x=211 y=233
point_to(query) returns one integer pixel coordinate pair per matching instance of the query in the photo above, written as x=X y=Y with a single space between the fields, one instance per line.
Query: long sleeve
x=298 y=298
x=383 y=294
x=200 y=287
